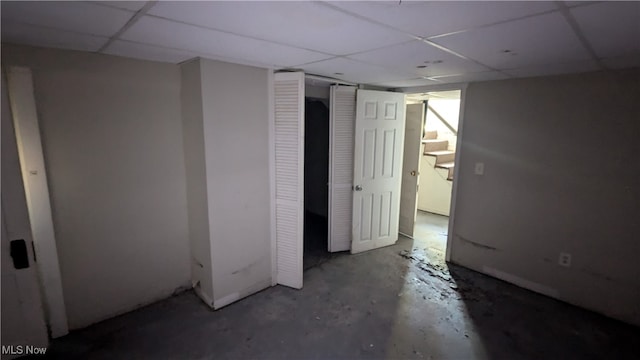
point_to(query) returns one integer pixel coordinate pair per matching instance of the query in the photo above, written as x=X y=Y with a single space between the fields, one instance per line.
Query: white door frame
x=445 y=87
x=25 y=120
x=456 y=170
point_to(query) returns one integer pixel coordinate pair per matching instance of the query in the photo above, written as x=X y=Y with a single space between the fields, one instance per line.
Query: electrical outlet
x=564 y=260
x=479 y=170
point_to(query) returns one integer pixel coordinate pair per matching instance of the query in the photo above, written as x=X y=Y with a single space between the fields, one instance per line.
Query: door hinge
x=33 y=247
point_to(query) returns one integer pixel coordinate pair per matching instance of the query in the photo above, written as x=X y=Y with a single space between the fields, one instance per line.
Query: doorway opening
x=440 y=112
x=316 y=174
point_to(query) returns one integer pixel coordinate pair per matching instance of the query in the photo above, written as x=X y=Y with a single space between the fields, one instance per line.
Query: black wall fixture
x=19 y=254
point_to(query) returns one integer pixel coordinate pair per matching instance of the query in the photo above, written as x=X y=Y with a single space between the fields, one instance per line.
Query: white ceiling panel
x=19 y=33
x=538 y=40
x=623 y=62
x=408 y=56
x=580 y=3
x=303 y=24
x=612 y=28
x=481 y=76
x=429 y=18
x=170 y=34
x=148 y=52
x=354 y=71
x=407 y=83
x=126 y=5
x=554 y=69
x=67 y=15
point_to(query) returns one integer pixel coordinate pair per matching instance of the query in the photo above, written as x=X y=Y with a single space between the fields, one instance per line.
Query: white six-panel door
x=288 y=166
x=379 y=139
x=341 y=128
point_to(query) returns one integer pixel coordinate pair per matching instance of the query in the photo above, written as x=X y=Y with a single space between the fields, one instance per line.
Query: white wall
x=194 y=151
x=235 y=149
x=236 y=114
x=112 y=139
x=317 y=92
x=561 y=175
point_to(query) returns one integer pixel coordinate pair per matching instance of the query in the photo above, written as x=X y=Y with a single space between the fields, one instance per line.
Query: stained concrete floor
x=399 y=302
x=315 y=240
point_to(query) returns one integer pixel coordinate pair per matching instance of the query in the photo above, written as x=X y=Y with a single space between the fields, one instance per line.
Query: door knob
x=357 y=188
x=413 y=173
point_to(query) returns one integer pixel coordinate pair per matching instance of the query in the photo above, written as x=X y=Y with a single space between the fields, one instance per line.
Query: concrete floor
x=315 y=241
x=399 y=302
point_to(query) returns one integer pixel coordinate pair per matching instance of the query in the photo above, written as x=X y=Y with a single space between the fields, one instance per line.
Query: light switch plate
x=479 y=170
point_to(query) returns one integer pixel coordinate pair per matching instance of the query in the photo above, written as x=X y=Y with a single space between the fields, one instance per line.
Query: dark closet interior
x=316 y=177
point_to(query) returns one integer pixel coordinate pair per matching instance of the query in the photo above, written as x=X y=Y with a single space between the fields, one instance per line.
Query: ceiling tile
x=554 y=69
x=612 y=28
x=18 y=33
x=538 y=40
x=406 y=57
x=303 y=24
x=472 y=77
x=623 y=62
x=354 y=71
x=126 y=5
x=407 y=83
x=148 y=52
x=75 y=16
x=428 y=18
x=170 y=34
x=580 y=3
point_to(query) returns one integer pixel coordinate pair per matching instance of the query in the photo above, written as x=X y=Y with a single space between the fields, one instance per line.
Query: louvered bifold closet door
x=342 y=123
x=289 y=177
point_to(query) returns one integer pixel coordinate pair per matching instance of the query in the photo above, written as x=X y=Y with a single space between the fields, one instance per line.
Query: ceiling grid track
x=564 y=10
x=236 y=34
x=392 y=44
x=425 y=40
x=129 y=24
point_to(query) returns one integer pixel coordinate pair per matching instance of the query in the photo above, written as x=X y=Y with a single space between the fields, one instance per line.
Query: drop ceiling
x=384 y=43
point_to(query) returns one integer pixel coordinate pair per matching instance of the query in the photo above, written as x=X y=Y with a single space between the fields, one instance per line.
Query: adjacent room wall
x=317 y=92
x=112 y=141
x=449 y=109
x=561 y=176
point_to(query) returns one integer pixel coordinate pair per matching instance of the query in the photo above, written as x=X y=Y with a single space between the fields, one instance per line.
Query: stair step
x=430 y=135
x=448 y=166
x=435 y=145
x=442 y=156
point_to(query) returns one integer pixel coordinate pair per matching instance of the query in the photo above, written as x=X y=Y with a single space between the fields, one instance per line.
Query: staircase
x=444 y=159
